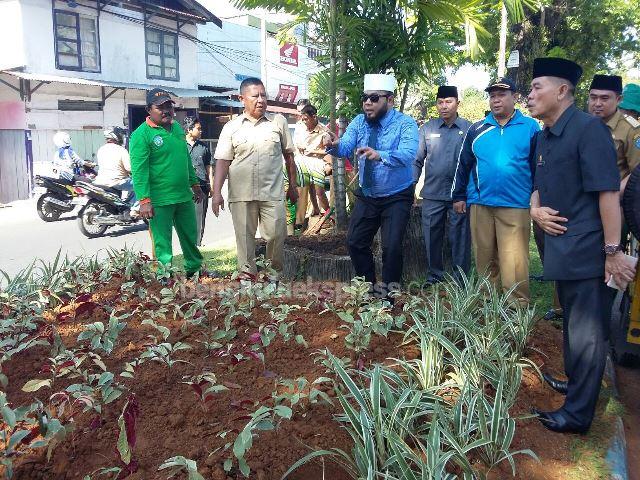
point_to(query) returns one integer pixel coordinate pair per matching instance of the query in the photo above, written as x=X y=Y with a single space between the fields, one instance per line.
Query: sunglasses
x=374 y=97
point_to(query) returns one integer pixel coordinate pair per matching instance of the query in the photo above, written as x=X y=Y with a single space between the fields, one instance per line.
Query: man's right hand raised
x=217 y=203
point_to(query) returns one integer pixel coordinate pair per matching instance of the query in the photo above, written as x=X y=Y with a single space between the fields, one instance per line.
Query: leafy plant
x=180 y=464
x=263 y=419
x=127 y=434
x=205 y=386
x=296 y=391
x=164 y=353
x=25 y=428
x=110 y=472
x=101 y=338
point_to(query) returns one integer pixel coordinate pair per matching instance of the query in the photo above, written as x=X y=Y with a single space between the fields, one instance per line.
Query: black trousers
x=587 y=312
x=391 y=215
x=436 y=216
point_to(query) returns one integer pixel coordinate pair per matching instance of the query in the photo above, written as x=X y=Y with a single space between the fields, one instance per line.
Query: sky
x=465 y=77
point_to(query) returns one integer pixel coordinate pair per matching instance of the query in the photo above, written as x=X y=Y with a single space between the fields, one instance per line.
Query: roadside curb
x=617 y=452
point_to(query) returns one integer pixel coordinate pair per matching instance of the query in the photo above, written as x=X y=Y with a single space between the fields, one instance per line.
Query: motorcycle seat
x=59 y=180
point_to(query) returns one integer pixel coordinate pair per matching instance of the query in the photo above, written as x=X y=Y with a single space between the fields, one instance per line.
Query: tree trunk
x=405 y=91
x=338 y=163
x=502 y=53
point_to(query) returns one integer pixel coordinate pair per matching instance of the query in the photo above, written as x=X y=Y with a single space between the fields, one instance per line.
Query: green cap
x=631 y=97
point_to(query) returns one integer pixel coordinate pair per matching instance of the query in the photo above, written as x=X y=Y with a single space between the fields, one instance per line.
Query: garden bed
x=174 y=418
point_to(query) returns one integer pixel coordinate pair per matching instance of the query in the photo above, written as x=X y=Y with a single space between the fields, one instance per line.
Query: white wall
x=11 y=35
x=122 y=45
x=238 y=52
x=278 y=73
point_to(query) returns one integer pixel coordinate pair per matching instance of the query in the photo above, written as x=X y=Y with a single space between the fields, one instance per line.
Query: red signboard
x=289 y=54
x=287 y=93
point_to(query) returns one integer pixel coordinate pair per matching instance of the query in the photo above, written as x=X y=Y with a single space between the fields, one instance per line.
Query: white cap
x=377 y=81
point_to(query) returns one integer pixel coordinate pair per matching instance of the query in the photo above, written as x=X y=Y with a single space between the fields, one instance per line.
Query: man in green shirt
x=165 y=182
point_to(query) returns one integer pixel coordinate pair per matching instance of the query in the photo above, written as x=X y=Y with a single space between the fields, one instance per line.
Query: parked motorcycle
x=59 y=195
x=105 y=208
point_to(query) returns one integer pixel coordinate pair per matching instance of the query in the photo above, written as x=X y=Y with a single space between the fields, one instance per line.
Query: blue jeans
x=126 y=185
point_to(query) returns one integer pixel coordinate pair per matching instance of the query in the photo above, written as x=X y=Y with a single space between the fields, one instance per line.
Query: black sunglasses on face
x=374 y=97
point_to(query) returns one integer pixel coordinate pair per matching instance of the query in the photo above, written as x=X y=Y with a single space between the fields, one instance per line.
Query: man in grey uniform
x=440 y=142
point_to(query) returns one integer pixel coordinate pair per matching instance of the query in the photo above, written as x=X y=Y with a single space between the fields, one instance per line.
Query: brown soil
x=329 y=243
x=173 y=422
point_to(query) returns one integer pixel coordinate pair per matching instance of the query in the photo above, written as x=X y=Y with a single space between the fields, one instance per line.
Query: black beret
x=607 y=82
x=557 y=67
x=446 y=91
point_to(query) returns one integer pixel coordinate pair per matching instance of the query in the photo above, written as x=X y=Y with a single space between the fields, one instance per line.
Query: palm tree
x=413 y=39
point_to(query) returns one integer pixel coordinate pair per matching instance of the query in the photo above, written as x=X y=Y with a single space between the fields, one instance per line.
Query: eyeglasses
x=374 y=97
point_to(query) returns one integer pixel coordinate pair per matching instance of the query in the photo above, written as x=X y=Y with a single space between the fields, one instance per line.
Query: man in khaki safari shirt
x=250 y=151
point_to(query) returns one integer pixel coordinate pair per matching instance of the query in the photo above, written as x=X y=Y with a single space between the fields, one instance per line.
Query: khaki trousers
x=500 y=238
x=271 y=216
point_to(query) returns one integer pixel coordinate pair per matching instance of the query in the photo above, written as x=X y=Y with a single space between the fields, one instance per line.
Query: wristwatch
x=612 y=248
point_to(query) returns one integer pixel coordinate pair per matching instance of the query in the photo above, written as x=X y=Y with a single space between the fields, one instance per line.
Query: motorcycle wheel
x=85 y=221
x=46 y=211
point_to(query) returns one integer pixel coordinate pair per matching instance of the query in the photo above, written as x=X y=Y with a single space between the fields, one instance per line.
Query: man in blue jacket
x=494 y=177
x=385 y=142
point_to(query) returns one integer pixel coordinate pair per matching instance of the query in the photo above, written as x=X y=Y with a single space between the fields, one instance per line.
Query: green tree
x=600 y=35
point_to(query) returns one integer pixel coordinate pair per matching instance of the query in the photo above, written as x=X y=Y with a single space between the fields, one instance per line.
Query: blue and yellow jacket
x=495 y=167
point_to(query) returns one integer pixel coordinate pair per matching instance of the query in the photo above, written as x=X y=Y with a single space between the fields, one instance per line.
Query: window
x=77 y=46
x=162 y=55
x=79 y=106
x=313 y=52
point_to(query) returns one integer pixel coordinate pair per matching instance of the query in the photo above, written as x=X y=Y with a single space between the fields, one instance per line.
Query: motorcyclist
x=66 y=162
x=114 y=166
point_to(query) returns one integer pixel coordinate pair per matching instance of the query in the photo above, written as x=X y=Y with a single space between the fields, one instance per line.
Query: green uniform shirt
x=161 y=167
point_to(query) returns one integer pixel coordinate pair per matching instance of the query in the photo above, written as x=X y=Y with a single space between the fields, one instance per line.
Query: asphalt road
x=24 y=237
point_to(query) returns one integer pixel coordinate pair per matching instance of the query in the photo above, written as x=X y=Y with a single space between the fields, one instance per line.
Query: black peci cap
x=158 y=96
x=503 y=83
x=607 y=82
x=446 y=91
x=557 y=67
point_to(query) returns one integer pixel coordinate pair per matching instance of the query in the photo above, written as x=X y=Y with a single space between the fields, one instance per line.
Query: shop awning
x=223 y=102
x=277 y=109
x=178 y=92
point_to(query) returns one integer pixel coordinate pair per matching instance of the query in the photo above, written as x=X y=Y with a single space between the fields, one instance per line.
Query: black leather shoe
x=556 y=422
x=553 y=314
x=559 y=386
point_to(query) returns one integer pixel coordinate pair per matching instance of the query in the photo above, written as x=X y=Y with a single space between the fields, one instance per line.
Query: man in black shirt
x=576 y=202
x=202 y=164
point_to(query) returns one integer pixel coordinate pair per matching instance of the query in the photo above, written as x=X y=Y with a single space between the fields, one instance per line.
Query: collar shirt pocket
x=241 y=146
x=273 y=143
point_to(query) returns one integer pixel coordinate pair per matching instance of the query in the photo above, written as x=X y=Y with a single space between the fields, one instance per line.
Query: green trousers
x=182 y=216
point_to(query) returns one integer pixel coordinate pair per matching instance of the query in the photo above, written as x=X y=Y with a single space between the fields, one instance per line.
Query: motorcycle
x=59 y=196
x=105 y=208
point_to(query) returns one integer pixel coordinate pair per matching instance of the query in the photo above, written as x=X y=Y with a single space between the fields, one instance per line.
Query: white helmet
x=114 y=133
x=61 y=140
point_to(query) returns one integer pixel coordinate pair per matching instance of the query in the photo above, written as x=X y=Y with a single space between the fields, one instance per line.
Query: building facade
x=82 y=65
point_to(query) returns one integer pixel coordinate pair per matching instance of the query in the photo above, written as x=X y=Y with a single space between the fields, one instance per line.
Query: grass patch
x=221 y=260
x=590 y=451
x=541 y=292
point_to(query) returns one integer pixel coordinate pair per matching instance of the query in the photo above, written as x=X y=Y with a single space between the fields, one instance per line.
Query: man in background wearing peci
x=438 y=150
